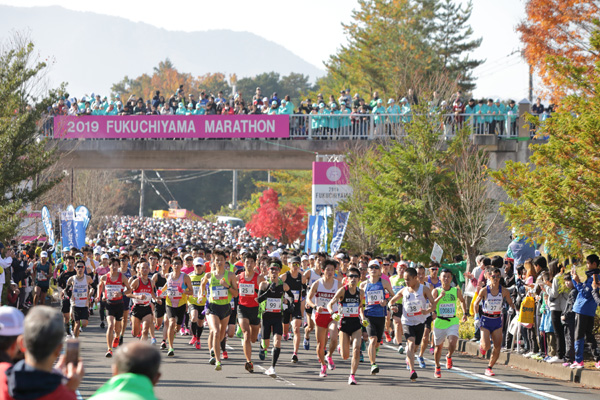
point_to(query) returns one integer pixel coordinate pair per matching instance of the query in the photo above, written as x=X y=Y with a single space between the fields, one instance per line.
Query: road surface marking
x=277 y=378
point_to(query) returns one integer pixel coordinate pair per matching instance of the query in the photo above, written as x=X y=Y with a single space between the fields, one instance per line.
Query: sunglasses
x=78 y=266
x=386 y=265
x=353 y=276
x=373 y=267
x=434 y=269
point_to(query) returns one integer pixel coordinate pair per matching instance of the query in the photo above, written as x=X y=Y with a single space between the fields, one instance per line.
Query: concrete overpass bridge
x=296 y=149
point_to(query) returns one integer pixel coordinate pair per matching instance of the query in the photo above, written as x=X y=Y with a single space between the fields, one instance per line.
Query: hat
x=273 y=103
x=312 y=257
x=104 y=257
x=294 y=260
x=373 y=262
x=198 y=261
x=304 y=257
x=66 y=248
x=403 y=263
x=339 y=255
x=390 y=101
x=44 y=254
x=187 y=256
x=11 y=321
x=321 y=105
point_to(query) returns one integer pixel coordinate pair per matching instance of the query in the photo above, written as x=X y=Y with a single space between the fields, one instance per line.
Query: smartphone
x=72 y=351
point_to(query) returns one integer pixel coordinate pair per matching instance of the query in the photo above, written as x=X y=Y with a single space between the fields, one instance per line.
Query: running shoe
x=400 y=349
x=330 y=363
x=115 y=342
x=120 y=341
x=448 y=362
x=413 y=376
x=566 y=364
x=163 y=345
x=597 y=365
x=363 y=346
x=528 y=355
x=171 y=353
x=102 y=325
x=438 y=372
x=294 y=358
x=271 y=372
x=108 y=354
x=198 y=345
x=182 y=331
x=482 y=351
x=187 y=332
x=374 y=369
x=388 y=338
x=407 y=365
x=193 y=341
x=238 y=333
x=286 y=336
x=306 y=344
x=91 y=311
x=323 y=372
x=351 y=380
x=489 y=372
x=249 y=367
x=153 y=341
x=362 y=358
x=262 y=354
x=431 y=350
x=218 y=366
x=577 y=365
x=553 y=360
x=225 y=355
x=212 y=361
x=421 y=362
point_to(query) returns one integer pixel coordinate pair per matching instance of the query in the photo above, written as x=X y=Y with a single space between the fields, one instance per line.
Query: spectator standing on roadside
x=34 y=377
x=135 y=372
x=512 y=112
x=11 y=321
x=6 y=258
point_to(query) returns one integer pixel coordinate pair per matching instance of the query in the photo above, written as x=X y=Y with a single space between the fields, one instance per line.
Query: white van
x=231 y=221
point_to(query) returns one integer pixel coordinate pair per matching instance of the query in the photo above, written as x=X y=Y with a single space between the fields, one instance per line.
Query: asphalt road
x=188 y=376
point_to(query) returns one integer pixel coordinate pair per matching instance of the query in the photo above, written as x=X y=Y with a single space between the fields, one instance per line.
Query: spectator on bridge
x=512 y=111
x=258 y=97
x=274 y=98
x=156 y=100
x=273 y=109
x=458 y=108
x=379 y=115
x=374 y=100
x=490 y=119
x=181 y=110
x=405 y=110
x=140 y=107
x=411 y=98
x=34 y=377
x=136 y=370
x=73 y=111
x=192 y=100
x=283 y=109
x=500 y=118
x=305 y=107
x=393 y=111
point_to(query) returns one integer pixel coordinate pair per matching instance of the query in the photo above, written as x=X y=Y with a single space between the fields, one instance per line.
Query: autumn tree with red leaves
x=555 y=31
x=282 y=222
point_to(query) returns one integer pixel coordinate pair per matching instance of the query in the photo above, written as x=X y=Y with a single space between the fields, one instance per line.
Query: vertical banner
x=47 y=222
x=339 y=229
x=436 y=253
x=330 y=184
x=322 y=228
x=67 y=225
x=309 y=234
x=85 y=214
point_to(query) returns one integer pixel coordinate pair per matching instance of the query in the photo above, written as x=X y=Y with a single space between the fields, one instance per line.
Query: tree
x=554 y=197
x=214 y=83
x=24 y=155
x=557 y=31
x=293 y=186
x=282 y=222
x=452 y=43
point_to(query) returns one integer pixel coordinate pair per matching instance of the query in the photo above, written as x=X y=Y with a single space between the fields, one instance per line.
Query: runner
x=196 y=302
x=160 y=309
x=310 y=277
x=101 y=270
x=248 y=283
x=414 y=313
x=223 y=287
x=446 y=322
x=424 y=280
x=177 y=288
x=42 y=271
x=320 y=294
x=375 y=289
x=273 y=301
x=491 y=319
x=112 y=286
x=65 y=295
x=398 y=283
x=79 y=286
x=126 y=271
x=351 y=298
x=297 y=283
x=143 y=293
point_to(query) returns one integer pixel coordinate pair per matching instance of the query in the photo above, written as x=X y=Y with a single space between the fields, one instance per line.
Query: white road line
x=496 y=381
x=277 y=378
x=228 y=347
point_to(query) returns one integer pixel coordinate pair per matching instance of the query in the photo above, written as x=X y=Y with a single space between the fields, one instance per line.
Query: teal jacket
x=406 y=113
x=126 y=387
x=378 y=111
x=394 y=112
x=502 y=110
x=514 y=112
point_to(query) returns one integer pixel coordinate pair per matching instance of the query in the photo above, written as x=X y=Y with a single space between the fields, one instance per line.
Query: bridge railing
x=375 y=126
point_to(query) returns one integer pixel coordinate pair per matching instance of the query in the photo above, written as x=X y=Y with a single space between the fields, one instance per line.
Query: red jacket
x=29 y=382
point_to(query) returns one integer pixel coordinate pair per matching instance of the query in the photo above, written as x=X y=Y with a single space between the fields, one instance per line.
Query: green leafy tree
x=24 y=155
x=554 y=197
x=452 y=42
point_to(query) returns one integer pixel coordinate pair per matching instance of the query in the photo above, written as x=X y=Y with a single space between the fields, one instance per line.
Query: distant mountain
x=93 y=51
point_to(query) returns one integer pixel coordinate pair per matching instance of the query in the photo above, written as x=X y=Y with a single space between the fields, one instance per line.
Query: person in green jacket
x=470 y=109
x=379 y=117
x=284 y=109
x=393 y=111
x=344 y=119
x=405 y=110
x=490 y=119
x=480 y=110
x=334 y=119
x=200 y=110
x=512 y=110
x=135 y=373
x=500 y=117
x=323 y=119
x=181 y=110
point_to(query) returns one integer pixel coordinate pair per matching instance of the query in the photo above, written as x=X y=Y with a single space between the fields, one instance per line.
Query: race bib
x=398 y=288
x=350 y=310
x=246 y=289
x=412 y=308
x=374 y=297
x=322 y=302
x=296 y=295
x=273 y=305
x=494 y=306
x=145 y=300
x=173 y=292
x=80 y=293
x=232 y=304
x=447 y=310
x=219 y=292
x=41 y=277
x=113 y=292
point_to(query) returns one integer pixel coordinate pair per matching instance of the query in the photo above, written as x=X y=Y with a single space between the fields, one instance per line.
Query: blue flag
x=339 y=229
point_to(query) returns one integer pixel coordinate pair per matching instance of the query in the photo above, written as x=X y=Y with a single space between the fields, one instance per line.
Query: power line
x=163 y=182
x=157 y=192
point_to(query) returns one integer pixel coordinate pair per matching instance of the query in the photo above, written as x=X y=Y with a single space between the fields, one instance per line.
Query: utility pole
x=234 y=190
x=141 y=214
x=530 y=83
x=72 y=184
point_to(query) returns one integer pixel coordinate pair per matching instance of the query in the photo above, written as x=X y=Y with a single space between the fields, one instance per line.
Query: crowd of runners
x=180 y=283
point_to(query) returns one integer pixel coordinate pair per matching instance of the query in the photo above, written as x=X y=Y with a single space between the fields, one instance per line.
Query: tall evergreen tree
x=452 y=42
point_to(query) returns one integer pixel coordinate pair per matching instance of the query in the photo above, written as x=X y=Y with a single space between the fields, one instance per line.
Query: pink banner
x=330 y=173
x=171 y=126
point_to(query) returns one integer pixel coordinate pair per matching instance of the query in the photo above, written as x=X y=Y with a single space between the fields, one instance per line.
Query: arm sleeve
x=262 y=295
x=596 y=295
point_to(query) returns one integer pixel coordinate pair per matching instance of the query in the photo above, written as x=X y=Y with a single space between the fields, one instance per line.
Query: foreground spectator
x=34 y=377
x=11 y=327
x=135 y=371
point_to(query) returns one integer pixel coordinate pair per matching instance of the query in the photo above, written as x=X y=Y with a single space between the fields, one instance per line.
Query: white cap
x=374 y=262
x=104 y=256
x=403 y=263
x=276 y=255
x=198 y=261
x=339 y=255
x=11 y=321
x=44 y=254
x=312 y=257
x=304 y=257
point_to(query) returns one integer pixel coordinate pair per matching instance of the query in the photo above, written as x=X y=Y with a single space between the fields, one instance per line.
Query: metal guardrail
x=376 y=126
